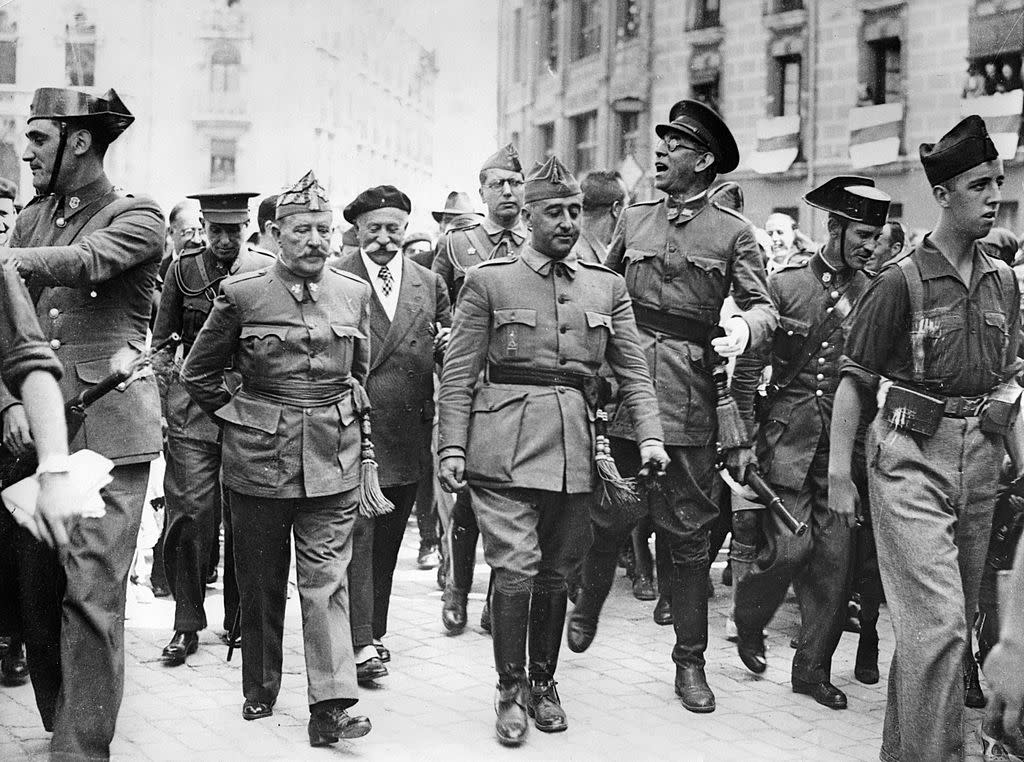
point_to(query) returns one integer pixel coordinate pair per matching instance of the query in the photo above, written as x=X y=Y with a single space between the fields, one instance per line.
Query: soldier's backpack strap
x=918 y=325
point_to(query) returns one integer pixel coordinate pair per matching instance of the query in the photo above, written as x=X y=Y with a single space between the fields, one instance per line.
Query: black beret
x=697 y=121
x=964 y=147
x=379 y=197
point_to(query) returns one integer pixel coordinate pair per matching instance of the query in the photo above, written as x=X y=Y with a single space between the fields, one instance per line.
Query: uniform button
x=54 y=343
x=92 y=294
x=309 y=411
x=824 y=345
x=560 y=389
x=412 y=343
x=834 y=294
x=821 y=361
x=54 y=312
x=789 y=333
x=563 y=329
x=819 y=393
x=829 y=309
x=562 y=361
x=820 y=376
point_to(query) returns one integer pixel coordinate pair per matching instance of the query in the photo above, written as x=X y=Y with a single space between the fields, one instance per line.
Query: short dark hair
x=176 y=211
x=267 y=212
x=602 y=188
x=896 y=232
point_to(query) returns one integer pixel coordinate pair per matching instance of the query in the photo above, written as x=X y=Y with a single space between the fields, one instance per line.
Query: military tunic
x=291 y=454
x=589 y=249
x=463 y=247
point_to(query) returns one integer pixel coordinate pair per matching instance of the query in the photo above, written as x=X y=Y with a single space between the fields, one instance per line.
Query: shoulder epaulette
x=467 y=226
x=347 y=274
x=239 y=277
x=794 y=264
x=730 y=211
x=191 y=251
x=258 y=250
x=596 y=266
x=34 y=200
x=497 y=261
x=652 y=202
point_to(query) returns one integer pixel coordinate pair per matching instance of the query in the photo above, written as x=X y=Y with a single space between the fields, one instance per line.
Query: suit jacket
x=90 y=260
x=401 y=380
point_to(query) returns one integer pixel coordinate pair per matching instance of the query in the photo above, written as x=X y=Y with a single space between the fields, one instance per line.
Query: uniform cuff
x=452 y=451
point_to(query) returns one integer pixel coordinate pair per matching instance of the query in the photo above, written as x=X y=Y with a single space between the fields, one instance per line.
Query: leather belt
x=296 y=392
x=677 y=326
x=963 y=407
x=505 y=374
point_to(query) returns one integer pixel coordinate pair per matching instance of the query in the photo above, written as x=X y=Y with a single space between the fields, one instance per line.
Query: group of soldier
x=582 y=346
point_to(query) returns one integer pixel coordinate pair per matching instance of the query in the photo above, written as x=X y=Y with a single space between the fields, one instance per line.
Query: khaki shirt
x=462 y=248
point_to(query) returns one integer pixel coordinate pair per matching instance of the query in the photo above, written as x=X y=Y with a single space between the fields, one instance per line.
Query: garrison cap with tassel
x=551 y=180
x=307 y=195
x=504 y=158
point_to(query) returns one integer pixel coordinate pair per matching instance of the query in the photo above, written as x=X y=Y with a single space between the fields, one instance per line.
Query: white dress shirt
x=390 y=301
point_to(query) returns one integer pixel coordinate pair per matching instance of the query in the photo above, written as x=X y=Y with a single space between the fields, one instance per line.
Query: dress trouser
x=10 y=609
x=818 y=565
x=192 y=500
x=322 y=527
x=932 y=500
x=74 y=619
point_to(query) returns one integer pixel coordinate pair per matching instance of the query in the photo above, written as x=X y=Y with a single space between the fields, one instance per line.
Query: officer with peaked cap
x=92 y=253
x=936 y=337
x=192 y=488
x=682 y=256
x=501 y=233
x=815 y=297
x=529 y=336
x=298 y=334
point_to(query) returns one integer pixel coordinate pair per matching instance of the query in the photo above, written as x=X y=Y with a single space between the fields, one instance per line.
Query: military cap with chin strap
x=457 y=203
x=224 y=206
x=105 y=115
x=964 y=147
x=307 y=195
x=852 y=198
x=378 y=197
x=505 y=158
x=703 y=125
x=550 y=180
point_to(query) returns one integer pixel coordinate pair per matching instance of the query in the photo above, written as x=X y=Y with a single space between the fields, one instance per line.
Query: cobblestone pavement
x=437 y=702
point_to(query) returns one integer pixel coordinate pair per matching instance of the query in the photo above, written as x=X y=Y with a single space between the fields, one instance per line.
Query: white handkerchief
x=89 y=471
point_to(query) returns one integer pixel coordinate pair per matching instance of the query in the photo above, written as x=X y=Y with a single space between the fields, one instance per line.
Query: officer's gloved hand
x=736 y=461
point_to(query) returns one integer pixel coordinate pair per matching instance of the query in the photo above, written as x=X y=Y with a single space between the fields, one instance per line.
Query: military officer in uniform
x=298 y=335
x=91 y=254
x=501 y=233
x=935 y=339
x=682 y=256
x=537 y=327
x=192 y=488
x=814 y=298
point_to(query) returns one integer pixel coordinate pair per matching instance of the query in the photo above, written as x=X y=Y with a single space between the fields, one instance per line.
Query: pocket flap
x=254 y=414
x=997 y=319
x=635 y=255
x=346 y=410
x=780 y=411
x=347 y=330
x=599 y=320
x=263 y=331
x=93 y=371
x=523 y=316
x=791 y=326
x=708 y=264
x=491 y=398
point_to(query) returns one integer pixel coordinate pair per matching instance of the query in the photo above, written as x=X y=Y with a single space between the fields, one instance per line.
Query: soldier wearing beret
x=500 y=234
x=935 y=339
x=814 y=298
x=682 y=256
x=516 y=423
x=91 y=254
x=409 y=323
x=298 y=334
x=192 y=490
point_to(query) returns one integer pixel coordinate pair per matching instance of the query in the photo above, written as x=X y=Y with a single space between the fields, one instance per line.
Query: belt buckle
x=955 y=407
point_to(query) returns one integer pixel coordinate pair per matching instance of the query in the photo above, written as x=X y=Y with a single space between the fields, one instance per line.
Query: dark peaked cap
x=703 y=124
x=378 y=197
x=224 y=206
x=853 y=198
x=107 y=115
x=964 y=147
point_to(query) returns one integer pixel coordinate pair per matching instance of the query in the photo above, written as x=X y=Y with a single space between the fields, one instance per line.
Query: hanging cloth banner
x=875 y=134
x=778 y=143
x=1001 y=112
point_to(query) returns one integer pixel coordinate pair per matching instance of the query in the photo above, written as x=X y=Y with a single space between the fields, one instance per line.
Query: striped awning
x=778 y=144
x=1001 y=113
x=875 y=133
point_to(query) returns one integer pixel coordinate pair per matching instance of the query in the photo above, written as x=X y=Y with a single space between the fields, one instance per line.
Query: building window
x=80 y=52
x=705 y=14
x=587 y=40
x=988 y=75
x=627 y=25
x=783 y=6
x=549 y=35
x=222 y=161
x=8 y=50
x=546 y=139
x=706 y=92
x=628 y=134
x=885 y=83
x=517 y=45
x=584 y=130
x=787 y=98
x=225 y=65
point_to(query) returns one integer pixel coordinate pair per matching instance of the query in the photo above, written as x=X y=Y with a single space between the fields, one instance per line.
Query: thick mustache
x=377 y=246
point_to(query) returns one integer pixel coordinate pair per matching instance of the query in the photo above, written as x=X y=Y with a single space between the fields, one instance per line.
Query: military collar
x=297 y=286
x=682 y=210
x=932 y=263
x=543 y=264
x=494 y=230
x=826 y=273
x=72 y=203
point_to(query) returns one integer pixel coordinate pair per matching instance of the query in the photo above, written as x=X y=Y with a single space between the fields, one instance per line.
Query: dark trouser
x=10 y=609
x=323 y=548
x=74 y=619
x=230 y=578
x=932 y=500
x=818 y=565
x=683 y=510
x=867 y=582
x=192 y=498
x=426 y=512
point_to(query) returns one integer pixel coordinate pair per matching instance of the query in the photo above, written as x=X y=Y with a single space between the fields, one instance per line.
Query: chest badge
x=471 y=250
x=512 y=345
x=74 y=201
x=826 y=277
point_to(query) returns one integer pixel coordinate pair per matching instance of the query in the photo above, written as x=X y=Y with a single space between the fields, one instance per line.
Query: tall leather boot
x=598 y=575
x=663 y=608
x=866 y=667
x=643 y=566
x=547 y=617
x=456 y=591
x=510 y=616
x=690 y=620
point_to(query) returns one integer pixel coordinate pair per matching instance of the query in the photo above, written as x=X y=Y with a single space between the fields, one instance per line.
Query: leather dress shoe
x=180 y=646
x=14 y=665
x=545 y=707
x=511 y=725
x=643 y=588
x=427 y=558
x=326 y=726
x=580 y=632
x=663 y=611
x=256 y=710
x=227 y=639
x=692 y=688
x=824 y=693
x=382 y=652
x=370 y=670
x=453 y=610
x=751 y=651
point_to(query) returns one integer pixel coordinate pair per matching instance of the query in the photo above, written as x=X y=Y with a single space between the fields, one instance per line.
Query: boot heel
x=317 y=739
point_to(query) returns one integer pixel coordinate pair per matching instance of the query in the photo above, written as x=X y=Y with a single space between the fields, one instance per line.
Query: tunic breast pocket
x=343 y=338
x=515 y=334
x=995 y=338
x=599 y=329
x=704 y=276
x=941 y=335
x=263 y=343
x=641 y=271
